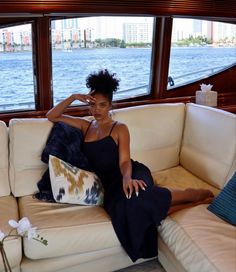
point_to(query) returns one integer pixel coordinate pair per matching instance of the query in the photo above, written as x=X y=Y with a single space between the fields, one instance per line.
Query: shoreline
x=113 y=48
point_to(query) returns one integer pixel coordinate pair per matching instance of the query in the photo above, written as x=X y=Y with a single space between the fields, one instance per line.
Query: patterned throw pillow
x=73 y=185
x=224 y=205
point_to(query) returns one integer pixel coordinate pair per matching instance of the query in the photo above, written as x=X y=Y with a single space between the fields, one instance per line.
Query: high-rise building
x=197 y=28
x=224 y=32
x=137 y=32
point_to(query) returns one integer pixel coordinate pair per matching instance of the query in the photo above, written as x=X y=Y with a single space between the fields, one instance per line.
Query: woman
x=134 y=204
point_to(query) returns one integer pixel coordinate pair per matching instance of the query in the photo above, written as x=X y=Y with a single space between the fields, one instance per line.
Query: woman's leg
x=182 y=199
x=189 y=195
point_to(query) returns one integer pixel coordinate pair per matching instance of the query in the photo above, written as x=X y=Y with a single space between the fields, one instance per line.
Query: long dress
x=134 y=220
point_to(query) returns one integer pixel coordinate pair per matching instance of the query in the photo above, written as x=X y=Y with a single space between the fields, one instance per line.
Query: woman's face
x=100 y=108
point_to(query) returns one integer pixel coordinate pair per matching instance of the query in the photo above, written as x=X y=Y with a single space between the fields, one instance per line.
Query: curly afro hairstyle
x=103 y=82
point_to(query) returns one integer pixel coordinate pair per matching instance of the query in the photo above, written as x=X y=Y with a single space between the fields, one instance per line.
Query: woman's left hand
x=130 y=185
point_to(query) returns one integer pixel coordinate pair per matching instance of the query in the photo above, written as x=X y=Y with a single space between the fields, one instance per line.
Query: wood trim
x=229 y=108
x=217 y=8
x=161 y=57
x=83 y=110
x=164 y=55
x=227 y=99
x=156 y=53
x=43 y=49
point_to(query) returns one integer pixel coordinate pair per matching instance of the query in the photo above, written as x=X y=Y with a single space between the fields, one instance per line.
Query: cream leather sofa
x=183 y=145
x=8 y=205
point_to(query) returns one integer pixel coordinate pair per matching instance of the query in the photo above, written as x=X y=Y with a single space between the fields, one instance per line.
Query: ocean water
x=131 y=65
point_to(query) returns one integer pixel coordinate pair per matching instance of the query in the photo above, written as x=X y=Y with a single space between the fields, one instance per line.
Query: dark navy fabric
x=135 y=220
x=224 y=205
x=64 y=142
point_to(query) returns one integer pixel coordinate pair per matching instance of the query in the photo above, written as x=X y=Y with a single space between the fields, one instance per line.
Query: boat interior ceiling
x=162 y=84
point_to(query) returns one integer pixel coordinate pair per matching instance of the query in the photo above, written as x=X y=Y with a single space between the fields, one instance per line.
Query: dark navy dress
x=135 y=219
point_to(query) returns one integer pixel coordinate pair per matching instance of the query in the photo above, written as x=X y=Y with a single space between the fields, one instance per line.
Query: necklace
x=104 y=123
x=103 y=129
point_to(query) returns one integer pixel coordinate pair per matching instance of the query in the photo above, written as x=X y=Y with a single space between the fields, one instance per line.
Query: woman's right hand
x=130 y=185
x=86 y=98
x=56 y=114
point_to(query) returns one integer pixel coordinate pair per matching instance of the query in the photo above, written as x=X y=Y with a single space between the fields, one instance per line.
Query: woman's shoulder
x=121 y=128
x=120 y=125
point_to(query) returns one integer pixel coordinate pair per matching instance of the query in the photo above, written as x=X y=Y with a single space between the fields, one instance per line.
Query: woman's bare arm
x=56 y=113
x=124 y=158
x=129 y=184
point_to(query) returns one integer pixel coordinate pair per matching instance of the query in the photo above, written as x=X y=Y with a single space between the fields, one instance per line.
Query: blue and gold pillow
x=73 y=185
x=224 y=205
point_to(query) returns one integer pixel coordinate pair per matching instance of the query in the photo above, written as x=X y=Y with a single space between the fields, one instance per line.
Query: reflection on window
x=199 y=49
x=16 y=68
x=83 y=45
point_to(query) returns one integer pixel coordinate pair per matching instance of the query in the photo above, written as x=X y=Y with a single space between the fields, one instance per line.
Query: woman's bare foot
x=179 y=207
x=207 y=200
x=198 y=195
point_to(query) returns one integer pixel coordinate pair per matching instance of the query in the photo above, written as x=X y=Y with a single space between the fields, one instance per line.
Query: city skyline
x=183 y=28
x=112 y=27
x=104 y=27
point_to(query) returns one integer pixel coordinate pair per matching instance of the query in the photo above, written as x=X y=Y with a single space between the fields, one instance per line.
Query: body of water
x=132 y=66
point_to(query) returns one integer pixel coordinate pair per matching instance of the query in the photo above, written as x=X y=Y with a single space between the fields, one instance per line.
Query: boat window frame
x=159 y=67
x=34 y=60
x=173 y=89
x=42 y=60
x=143 y=97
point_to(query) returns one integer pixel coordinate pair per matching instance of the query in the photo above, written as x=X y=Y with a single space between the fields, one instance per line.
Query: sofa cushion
x=73 y=185
x=224 y=205
x=209 y=144
x=27 y=140
x=69 y=229
x=155 y=132
x=105 y=260
x=179 y=178
x=4 y=180
x=200 y=240
x=12 y=245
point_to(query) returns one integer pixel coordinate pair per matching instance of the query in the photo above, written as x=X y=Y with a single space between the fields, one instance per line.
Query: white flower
x=13 y=223
x=2 y=235
x=31 y=233
x=24 y=228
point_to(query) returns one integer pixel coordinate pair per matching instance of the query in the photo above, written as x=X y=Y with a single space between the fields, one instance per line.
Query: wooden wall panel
x=217 y=8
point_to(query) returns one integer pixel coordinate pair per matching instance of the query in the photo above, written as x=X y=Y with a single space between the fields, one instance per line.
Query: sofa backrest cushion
x=4 y=180
x=209 y=144
x=27 y=139
x=155 y=133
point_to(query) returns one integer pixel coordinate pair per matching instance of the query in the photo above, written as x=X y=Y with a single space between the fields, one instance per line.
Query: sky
x=107 y=26
x=112 y=26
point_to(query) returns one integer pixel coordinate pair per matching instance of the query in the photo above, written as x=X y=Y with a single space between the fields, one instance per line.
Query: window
x=123 y=45
x=16 y=68
x=199 y=49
